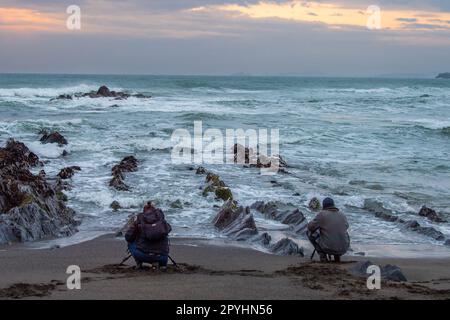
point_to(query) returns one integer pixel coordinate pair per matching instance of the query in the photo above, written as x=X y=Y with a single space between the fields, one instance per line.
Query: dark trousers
x=142 y=257
x=314 y=239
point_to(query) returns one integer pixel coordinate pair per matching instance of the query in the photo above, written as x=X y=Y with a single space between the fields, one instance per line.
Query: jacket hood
x=152 y=216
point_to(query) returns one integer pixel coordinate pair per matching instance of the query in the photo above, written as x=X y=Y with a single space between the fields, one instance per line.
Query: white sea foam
x=44 y=92
x=434 y=124
x=150 y=144
x=49 y=150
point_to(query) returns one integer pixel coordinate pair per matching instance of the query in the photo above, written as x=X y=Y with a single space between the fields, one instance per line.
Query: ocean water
x=352 y=139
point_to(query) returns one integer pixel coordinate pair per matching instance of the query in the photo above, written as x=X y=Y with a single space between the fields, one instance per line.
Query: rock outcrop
x=430 y=214
x=286 y=247
x=68 y=173
x=53 y=137
x=388 y=272
x=284 y=213
x=377 y=208
x=215 y=185
x=314 y=204
x=431 y=232
x=115 y=205
x=29 y=206
x=247 y=156
x=235 y=221
x=103 y=92
x=128 y=164
x=238 y=222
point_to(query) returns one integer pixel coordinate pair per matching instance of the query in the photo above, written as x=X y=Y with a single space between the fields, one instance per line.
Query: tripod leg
x=312 y=256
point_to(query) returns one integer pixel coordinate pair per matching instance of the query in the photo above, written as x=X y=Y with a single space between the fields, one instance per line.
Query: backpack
x=153 y=226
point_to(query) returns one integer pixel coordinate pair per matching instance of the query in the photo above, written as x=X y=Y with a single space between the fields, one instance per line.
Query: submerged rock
x=53 y=137
x=64 y=97
x=115 y=205
x=380 y=212
x=176 y=204
x=128 y=164
x=287 y=247
x=430 y=214
x=427 y=231
x=200 y=170
x=377 y=208
x=388 y=272
x=30 y=207
x=284 y=213
x=68 y=172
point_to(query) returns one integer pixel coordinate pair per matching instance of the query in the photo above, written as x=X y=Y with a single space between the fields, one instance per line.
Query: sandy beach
x=206 y=271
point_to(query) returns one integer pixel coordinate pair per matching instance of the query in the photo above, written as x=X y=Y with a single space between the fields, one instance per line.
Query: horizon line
x=237 y=74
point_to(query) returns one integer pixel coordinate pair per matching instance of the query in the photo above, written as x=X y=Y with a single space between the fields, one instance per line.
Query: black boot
x=323 y=257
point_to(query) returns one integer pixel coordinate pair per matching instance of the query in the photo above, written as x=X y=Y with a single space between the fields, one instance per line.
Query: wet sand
x=206 y=271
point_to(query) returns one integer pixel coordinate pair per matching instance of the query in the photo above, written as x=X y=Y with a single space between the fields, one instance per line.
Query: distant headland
x=445 y=75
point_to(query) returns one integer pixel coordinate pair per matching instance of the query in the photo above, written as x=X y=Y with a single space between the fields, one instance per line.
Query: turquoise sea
x=352 y=139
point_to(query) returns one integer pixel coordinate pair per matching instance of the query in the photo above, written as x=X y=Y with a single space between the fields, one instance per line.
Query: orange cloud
x=338 y=15
x=19 y=19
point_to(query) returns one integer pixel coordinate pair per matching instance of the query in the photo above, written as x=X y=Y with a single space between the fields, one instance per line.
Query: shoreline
x=207 y=271
x=382 y=251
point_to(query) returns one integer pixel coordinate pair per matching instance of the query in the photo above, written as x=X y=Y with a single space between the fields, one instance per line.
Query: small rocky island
x=445 y=75
x=102 y=92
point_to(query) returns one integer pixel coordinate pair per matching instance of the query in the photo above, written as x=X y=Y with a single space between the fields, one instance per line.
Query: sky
x=223 y=37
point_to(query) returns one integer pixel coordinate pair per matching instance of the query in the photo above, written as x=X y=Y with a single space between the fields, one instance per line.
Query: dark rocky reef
x=235 y=221
x=238 y=222
x=377 y=208
x=284 y=213
x=103 y=92
x=30 y=208
x=128 y=164
x=286 y=247
x=68 y=173
x=53 y=137
x=445 y=75
x=215 y=185
x=426 y=231
x=430 y=214
x=248 y=157
x=388 y=272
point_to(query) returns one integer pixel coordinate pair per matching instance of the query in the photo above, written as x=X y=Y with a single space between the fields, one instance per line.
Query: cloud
x=20 y=19
x=223 y=37
x=407 y=19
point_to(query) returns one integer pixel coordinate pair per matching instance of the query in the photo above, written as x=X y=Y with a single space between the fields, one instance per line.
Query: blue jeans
x=142 y=257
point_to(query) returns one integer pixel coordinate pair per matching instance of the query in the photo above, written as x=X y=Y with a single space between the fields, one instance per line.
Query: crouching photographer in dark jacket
x=147 y=238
